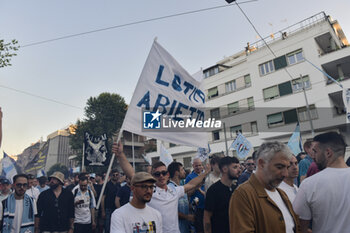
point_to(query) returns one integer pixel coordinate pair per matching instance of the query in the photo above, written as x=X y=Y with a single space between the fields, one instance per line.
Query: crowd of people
x=273 y=191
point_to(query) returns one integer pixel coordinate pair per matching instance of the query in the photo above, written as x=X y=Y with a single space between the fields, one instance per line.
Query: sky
x=69 y=71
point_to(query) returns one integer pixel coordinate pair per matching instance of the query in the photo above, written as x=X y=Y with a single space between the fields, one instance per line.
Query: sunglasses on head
x=157 y=174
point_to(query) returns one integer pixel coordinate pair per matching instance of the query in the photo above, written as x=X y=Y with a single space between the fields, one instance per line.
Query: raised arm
x=196 y=182
x=117 y=149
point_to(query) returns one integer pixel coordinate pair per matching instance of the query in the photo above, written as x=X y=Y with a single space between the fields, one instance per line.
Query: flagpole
x=133 y=150
x=307 y=107
x=83 y=159
x=225 y=139
x=108 y=171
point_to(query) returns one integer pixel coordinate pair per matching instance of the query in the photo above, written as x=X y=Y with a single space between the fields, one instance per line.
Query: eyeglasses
x=250 y=164
x=157 y=174
x=145 y=187
x=115 y=174
x=19 y=185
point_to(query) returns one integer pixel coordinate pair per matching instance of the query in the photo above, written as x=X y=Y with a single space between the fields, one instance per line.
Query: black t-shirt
x=111 y=191
x=124 y=194
x=98 y=189
x=54 y=213
x=217 y=201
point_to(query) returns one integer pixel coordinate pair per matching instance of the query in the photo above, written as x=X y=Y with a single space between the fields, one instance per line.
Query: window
x=187 y=162
x=230 y=86
x=295 y=57
x=280 y=62
x=172 y=145
x=211 y=71
x=298 y=85
x=266 y=68
x=247 y=80
x=251 y=103
x=215 y=113
x=212 y=92
x=254 y=127
x=303 y=115
x=285 y=89
x=233 y=107
x=234 y=130
x=216 y=135
x=271 y=93
x=290 y=116
x=274 y=119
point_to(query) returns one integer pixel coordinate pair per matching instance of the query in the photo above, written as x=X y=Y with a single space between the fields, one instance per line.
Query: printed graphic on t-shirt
x=144 y=227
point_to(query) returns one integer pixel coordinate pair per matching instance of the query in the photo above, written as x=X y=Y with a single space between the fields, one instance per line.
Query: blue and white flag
x=203 y=153
x=346 y=100
x=241 y=145
x=165 y=156
x=40 y=173
x=294 y=142
x=166 y=90
x=8 y=167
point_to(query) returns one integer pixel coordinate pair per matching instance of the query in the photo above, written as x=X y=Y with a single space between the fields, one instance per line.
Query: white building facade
x=259 y=91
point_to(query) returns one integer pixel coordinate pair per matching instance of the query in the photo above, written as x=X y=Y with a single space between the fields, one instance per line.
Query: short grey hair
x=268 y=150
x=194 y=159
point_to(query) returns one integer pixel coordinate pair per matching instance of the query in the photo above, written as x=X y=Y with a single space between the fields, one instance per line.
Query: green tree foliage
x=58 y=168
x=7 y=51
x=103 y=115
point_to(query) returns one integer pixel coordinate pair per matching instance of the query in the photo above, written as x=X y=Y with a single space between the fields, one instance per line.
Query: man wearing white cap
x=55 y=207
x=136 y=216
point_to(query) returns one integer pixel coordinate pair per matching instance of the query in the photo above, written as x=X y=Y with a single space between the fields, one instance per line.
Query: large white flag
x=165 y=90
x=346 y=100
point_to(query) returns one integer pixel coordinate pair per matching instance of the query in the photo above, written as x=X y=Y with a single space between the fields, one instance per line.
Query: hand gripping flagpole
x=108 y=171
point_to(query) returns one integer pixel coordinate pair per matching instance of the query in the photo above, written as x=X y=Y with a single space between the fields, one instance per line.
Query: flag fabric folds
x=241 y=145
x=203 y=153
x=294 y=142
x=95 y=150
x=165 y=89
x=165 y=156
x=8 y=167
x=39 y=161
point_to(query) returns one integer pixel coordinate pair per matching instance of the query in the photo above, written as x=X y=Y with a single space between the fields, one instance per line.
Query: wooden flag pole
x=108 y=171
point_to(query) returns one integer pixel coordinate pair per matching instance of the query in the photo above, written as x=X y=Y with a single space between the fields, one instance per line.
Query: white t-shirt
x=288 y=219
x=128 y=219
x=34 y=193
x=166 y=202
x=289 y=190
x=325 y=198
x=16 y=224
x=82 y=211
x=1 y=210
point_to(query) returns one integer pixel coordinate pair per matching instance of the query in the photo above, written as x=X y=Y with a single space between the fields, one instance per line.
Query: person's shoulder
x=153 y=210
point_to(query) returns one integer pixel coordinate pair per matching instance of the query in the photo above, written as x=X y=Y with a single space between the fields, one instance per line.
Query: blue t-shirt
x=244 y=177
x=197 y=193
x=304 y=165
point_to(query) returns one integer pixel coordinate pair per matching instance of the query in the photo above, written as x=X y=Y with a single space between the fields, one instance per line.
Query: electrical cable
x=130 y=24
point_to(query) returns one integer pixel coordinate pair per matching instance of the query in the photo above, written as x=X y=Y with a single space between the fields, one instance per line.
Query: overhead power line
x=40 y=97
x=130 y=24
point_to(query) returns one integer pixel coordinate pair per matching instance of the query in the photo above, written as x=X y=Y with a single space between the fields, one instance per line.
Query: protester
x=164 y=200
x=19 y=209
x=218 y=197
x=98 y=187
x=32 y=190
x=287 y=185
x=84 y=203
x=42 y=184
x=313 y=169
x=324 y=197
x=250 y=166
x=306 y=162
x=198 y=194
x=214 y=175
x=108 y=198
x=136 y=216
x=55 y=207
x=177 y=173
x=258 y=205
x=123 y=195
x=5 y=189
x=74 y=184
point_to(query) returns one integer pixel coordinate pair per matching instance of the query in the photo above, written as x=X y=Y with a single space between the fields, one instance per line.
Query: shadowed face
x=20 y=186
x=293 y=168
x=143 y=191
x=161 y=174
x=275 y=170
